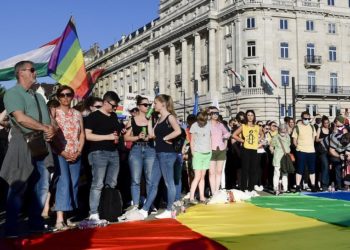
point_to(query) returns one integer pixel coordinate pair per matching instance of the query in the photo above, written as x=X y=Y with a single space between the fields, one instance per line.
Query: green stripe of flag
x=7 y=74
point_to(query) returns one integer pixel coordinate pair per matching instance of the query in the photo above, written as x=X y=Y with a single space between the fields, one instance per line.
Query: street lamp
x=179 y=85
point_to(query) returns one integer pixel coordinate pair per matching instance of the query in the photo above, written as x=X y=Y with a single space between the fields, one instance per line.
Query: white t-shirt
x=201 y=138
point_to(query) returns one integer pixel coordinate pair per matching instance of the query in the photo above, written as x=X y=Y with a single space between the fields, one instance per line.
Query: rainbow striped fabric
x=66 y=64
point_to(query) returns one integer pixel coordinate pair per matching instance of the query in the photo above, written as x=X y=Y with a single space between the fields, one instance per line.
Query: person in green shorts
x=201 y=148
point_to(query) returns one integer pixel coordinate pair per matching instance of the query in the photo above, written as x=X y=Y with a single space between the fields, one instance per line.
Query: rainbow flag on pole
x=66 y=64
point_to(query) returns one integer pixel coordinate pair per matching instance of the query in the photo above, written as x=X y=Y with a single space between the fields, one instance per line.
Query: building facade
x=195 y=42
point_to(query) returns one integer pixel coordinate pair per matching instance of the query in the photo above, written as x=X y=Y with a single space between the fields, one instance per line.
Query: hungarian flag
x=239 y=77
x=267 y=80
x=40 y=57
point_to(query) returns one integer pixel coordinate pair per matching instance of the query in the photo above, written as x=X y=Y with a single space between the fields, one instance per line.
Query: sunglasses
x=134 y=110
x=214 y=113
x=113 y=105
x=306 y=119
x=98 y=106
x=62 y=95
x=146 y=105
x=30 y=69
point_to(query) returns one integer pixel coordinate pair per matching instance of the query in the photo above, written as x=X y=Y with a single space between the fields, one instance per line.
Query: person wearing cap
x=304 y=136
x=337 y=149
x=102 y=130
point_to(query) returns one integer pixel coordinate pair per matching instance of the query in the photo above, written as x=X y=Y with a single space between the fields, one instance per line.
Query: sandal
x=61 y=226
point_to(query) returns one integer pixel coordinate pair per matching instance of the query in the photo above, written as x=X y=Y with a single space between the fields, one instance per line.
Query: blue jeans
x=38 y=184
x=177 y=176
x=67 y=185
x=140 y=157
x=105 y=169
x=324 y=170
x=163 y=166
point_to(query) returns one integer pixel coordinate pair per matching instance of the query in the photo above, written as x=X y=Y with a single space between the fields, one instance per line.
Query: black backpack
x=111 y=204
x=178 y=141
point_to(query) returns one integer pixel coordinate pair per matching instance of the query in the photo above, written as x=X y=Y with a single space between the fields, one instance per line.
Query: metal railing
x=205 y=70
x=312 y=4
x=324 y=90
x=312 y=60
x=283 y=2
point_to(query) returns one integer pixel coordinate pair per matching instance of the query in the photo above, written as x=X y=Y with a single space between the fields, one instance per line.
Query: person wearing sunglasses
x=219 y=136
x=102 y=130
x=142 y=154
x=304 y=136
x=19 y=167
x=69 y=144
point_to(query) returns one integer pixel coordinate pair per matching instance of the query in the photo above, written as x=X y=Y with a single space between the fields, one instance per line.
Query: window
x=286 y=112
x=311 y=81
x=332 y=53
x=312 y=108
x=310 y=25
x=290 y=110
x=228 y=54
x=252 y=78
x=251 y=49
x=130 y=89
x=331 y=28
x=330 y=2
x=228 y=30
x=333 y=80
x=310 y=52
x=284 y=50
x=285 y=77
x=250 y=23
x=283 y=24
x=229 y=81
x=334 y=110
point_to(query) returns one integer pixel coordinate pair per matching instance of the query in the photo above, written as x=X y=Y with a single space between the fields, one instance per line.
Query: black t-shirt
x=102 y=124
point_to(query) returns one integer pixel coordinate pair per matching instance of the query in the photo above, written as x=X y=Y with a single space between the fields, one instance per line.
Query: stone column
x=172 y=71
x=197 y=61
x=150 y=84
x=184 y=66
x=212 y=62
x=161 y=72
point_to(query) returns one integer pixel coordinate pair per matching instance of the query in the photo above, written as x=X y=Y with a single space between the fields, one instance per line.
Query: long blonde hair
x=169 y=104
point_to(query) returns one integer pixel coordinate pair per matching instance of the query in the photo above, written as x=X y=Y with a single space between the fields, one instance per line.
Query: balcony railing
x=252 y=91
x=312 y=61
x=322 y=90
x=177 y=54
x=283 y=2
x=312 y=4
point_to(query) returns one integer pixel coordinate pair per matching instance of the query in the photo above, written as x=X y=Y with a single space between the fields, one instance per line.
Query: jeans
x=249 y=169
x=177 y=176
x=105 y=169
x=67 y=185
x=140 y=157
x=163 y=166
x=324 y=170
x=337 y=166
x=38 y=184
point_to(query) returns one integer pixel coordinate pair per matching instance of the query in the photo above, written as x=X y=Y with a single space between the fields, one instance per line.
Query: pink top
x=70 y=129
x=218 y=134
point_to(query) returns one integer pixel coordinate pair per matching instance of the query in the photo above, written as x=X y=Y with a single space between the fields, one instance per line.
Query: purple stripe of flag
x=66 y=45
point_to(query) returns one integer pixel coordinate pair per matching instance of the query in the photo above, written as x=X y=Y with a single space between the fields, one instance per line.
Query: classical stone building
x=196 y=41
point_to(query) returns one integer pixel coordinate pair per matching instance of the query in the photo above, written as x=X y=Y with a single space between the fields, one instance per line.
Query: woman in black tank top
x=142 y=154
x=163 y=132
x=322 y=152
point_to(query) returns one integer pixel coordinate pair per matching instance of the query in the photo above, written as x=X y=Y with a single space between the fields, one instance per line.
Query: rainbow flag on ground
x=67 y=62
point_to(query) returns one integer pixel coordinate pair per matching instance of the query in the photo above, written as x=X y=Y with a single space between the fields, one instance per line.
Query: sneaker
x=144 y=213
x=297 y=189
x=154 y=210
x=193 y=202
x=256 y=188
x=276 y=193
x=178 y=203
x=165 y=215
x=313 y=188
x=95 y=217
x=261 y=188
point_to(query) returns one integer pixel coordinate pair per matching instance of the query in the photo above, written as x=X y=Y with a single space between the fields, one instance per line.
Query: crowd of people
x=88 y=146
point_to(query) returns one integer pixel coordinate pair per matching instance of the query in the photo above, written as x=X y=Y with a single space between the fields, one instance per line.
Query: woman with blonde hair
x=201 y=150
x=165 y=130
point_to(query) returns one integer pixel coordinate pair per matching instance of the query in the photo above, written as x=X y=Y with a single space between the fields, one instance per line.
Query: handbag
x=35 y=139
x=287 y=166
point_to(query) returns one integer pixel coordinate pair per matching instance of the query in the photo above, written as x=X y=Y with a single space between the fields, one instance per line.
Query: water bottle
x=150 y=111
x=144 y=130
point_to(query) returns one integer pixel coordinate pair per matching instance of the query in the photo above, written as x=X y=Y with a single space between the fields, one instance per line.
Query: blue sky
x=26 y=25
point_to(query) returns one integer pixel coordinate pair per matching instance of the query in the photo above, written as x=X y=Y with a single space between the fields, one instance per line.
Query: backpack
x=111 y=204
x=178 y=141
x=297 y=129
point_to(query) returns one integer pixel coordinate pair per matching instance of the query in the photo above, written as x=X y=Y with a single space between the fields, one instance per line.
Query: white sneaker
x=256 y=188
x=144 y=213
x=165 y=215
x=261 y=188
x=95 y=217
